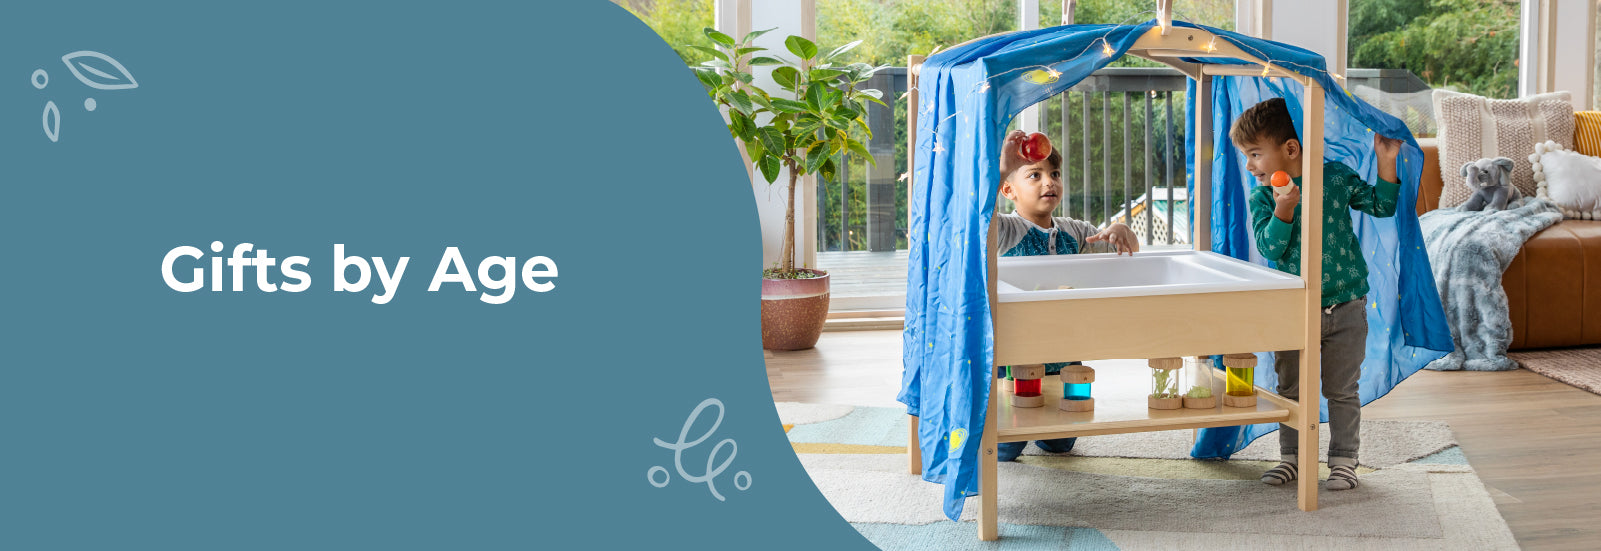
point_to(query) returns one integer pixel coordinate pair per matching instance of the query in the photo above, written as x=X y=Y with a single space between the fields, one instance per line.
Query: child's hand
x=1284 y=204
x=1009 y=146
x=1120 y=236
x=1386 y=149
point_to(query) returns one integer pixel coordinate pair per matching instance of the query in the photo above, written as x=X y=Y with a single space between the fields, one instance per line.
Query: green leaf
x=753 y=34
x=874 y=97
x=738 y=124
x=861 y=122
x=773 y=140
x=755 y=150
x=843 y=49
x=747 y=50
x=828 y=170
x=760 y=98
x=770 y=166
x=708 y=78
x=765 y=61
x=746 y=77
x=740 y=101
x=713 y=52
x=788 y=106
x=816 y=97
x=809 y=127
x=802 y=48
x=718 y=37
x=718 y=63
x=786 y=77
x=840 y=123
x=815 y=157
x=824 y=74
x=861 y=150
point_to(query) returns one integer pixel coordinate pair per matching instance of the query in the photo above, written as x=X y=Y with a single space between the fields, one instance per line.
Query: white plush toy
x=1491 y=182
x=1569 y=179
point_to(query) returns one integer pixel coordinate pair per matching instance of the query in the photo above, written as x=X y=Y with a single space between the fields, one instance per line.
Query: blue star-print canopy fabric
x=968 y=96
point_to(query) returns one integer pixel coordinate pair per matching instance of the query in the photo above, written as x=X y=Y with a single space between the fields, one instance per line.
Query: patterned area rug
x=1580 y=367
x=1139 y=492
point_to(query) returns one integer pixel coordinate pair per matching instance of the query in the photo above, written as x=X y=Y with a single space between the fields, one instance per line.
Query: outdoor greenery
x=1467 y=45
x=677 y=21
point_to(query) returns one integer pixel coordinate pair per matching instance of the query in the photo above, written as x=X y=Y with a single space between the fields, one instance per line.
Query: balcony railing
x=1121 y=134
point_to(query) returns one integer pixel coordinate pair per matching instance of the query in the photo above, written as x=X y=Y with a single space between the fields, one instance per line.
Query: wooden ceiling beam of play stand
x=1192 y=70
x=1197 y=43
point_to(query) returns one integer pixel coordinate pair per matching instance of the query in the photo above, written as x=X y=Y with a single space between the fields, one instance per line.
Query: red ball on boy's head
x=1281 y=179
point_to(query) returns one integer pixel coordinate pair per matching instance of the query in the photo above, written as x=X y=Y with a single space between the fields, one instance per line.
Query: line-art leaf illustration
x=52 y=121
x=99 y=71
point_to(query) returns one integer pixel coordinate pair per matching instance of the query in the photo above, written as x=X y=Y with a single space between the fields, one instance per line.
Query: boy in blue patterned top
x=1266 y=134
x=1030 y=230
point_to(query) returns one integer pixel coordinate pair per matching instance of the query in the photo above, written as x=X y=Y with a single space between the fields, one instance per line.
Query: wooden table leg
x=1311 y=389
x=914 y=448
x=988 y=529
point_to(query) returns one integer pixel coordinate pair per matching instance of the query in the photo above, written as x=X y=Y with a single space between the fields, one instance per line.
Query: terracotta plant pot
x=793 y=311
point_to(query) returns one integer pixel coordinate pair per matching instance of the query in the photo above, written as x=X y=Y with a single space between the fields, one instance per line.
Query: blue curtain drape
x=969 y=94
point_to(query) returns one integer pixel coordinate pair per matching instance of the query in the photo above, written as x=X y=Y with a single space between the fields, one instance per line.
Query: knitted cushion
x=1473 y=127
x=1587 y=133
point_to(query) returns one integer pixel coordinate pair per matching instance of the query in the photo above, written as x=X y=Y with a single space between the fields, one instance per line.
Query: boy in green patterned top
x=1266 y=134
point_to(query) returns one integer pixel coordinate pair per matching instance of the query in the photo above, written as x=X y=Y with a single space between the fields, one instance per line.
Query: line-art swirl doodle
x=742 y=479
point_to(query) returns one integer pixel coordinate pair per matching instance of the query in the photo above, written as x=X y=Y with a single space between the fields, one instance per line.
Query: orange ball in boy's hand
x=1281 y=182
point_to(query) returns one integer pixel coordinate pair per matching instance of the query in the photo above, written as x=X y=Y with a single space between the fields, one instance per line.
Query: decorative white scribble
x=52 y=121
x=713 y=469
x=93 y=69
x=111 y=75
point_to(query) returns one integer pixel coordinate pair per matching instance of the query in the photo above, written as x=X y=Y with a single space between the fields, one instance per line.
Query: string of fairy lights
x=1044 y=74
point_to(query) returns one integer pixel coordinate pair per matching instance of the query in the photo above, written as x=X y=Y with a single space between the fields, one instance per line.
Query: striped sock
x=1341 y=477
x=1277 y=476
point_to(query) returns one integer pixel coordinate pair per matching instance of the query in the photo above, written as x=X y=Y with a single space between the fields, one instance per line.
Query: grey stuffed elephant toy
x=1491 y=182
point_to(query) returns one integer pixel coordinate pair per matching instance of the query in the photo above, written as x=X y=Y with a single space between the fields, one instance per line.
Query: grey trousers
x=1345 y=333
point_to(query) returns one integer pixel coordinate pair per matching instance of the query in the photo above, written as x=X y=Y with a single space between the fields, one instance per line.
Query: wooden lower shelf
x=1120 y=407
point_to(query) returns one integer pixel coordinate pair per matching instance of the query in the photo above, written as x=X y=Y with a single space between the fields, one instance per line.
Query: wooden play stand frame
x=1198 y=324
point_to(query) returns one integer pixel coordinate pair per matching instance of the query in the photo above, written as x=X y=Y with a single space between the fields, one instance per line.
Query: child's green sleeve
x=1378 y=200
x=1272 y=235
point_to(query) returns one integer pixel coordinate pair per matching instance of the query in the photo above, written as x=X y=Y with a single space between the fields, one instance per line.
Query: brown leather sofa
x=1553 y=286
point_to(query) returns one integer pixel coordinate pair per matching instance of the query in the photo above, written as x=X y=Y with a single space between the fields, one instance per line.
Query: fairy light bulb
x=1054 y=74
x=1264 y=69
x=1211 y=46
x=1106 y=48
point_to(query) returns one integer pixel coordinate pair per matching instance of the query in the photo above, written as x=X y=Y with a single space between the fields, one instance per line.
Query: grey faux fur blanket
x=1469 y=252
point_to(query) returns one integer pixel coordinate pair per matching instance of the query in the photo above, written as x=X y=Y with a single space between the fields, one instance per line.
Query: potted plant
x=801 y=134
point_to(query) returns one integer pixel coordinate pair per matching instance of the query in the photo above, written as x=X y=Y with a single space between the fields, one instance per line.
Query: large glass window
x=1400 y=49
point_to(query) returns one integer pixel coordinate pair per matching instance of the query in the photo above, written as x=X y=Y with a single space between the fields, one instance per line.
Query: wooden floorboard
x=1535 y=442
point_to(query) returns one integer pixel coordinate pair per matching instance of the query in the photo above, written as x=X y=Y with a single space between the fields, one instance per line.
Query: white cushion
x=1568 y=178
